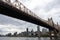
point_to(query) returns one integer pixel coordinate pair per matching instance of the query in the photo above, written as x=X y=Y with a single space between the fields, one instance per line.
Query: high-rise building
x=27 y=31
x=38 y=31
x=38 y=28
x=32 y=33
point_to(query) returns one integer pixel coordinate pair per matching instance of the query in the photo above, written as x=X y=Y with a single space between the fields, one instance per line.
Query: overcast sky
x=43 y=8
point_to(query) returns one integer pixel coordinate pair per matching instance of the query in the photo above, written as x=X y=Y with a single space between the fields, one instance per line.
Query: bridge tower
x=50 y=30
x=50 y=21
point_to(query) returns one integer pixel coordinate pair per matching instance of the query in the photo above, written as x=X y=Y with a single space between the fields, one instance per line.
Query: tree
x=9 y=34
x=15 y=34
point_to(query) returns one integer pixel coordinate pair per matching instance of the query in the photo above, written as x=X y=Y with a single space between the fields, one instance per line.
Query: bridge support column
x=55 y=34
x=50 y=34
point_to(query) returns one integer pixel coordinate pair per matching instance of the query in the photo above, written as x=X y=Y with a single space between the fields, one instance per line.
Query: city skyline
x=28 y=33
x=43 y=8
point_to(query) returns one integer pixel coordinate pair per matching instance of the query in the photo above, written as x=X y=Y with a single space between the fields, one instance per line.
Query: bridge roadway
x=6 y=8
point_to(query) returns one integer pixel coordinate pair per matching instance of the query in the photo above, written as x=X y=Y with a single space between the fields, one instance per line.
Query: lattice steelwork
x=17 y=4
x=20 y=6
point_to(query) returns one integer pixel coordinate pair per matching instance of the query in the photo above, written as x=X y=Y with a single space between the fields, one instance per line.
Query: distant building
x=38 y=31
x=44 y=31
x=24 y=33
x=27 y=31
x=32 y=33
x=38 y=28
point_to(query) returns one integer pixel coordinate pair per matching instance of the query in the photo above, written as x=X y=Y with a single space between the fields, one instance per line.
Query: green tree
x=9 y=34
x=15 y=34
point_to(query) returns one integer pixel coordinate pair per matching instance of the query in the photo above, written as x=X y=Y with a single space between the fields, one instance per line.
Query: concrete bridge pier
x=50 y=34
x=55 y=35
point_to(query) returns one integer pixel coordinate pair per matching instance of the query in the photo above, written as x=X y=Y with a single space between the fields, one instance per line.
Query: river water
x=24 y=38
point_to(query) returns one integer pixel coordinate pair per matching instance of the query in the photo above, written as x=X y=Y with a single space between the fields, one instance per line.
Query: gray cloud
x=24 y=0
x=9 y=20
x=36 y=9
x=55 y=3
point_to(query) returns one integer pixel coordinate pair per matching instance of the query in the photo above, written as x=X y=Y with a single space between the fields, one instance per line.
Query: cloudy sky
x=43 y=8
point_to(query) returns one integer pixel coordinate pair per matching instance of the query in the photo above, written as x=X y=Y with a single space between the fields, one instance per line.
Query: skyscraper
x=27 y=31
x=38 y=31
x=38 y=28
x=32 y=33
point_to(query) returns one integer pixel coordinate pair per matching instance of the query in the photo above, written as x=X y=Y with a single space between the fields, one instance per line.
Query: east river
x=24 y=38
